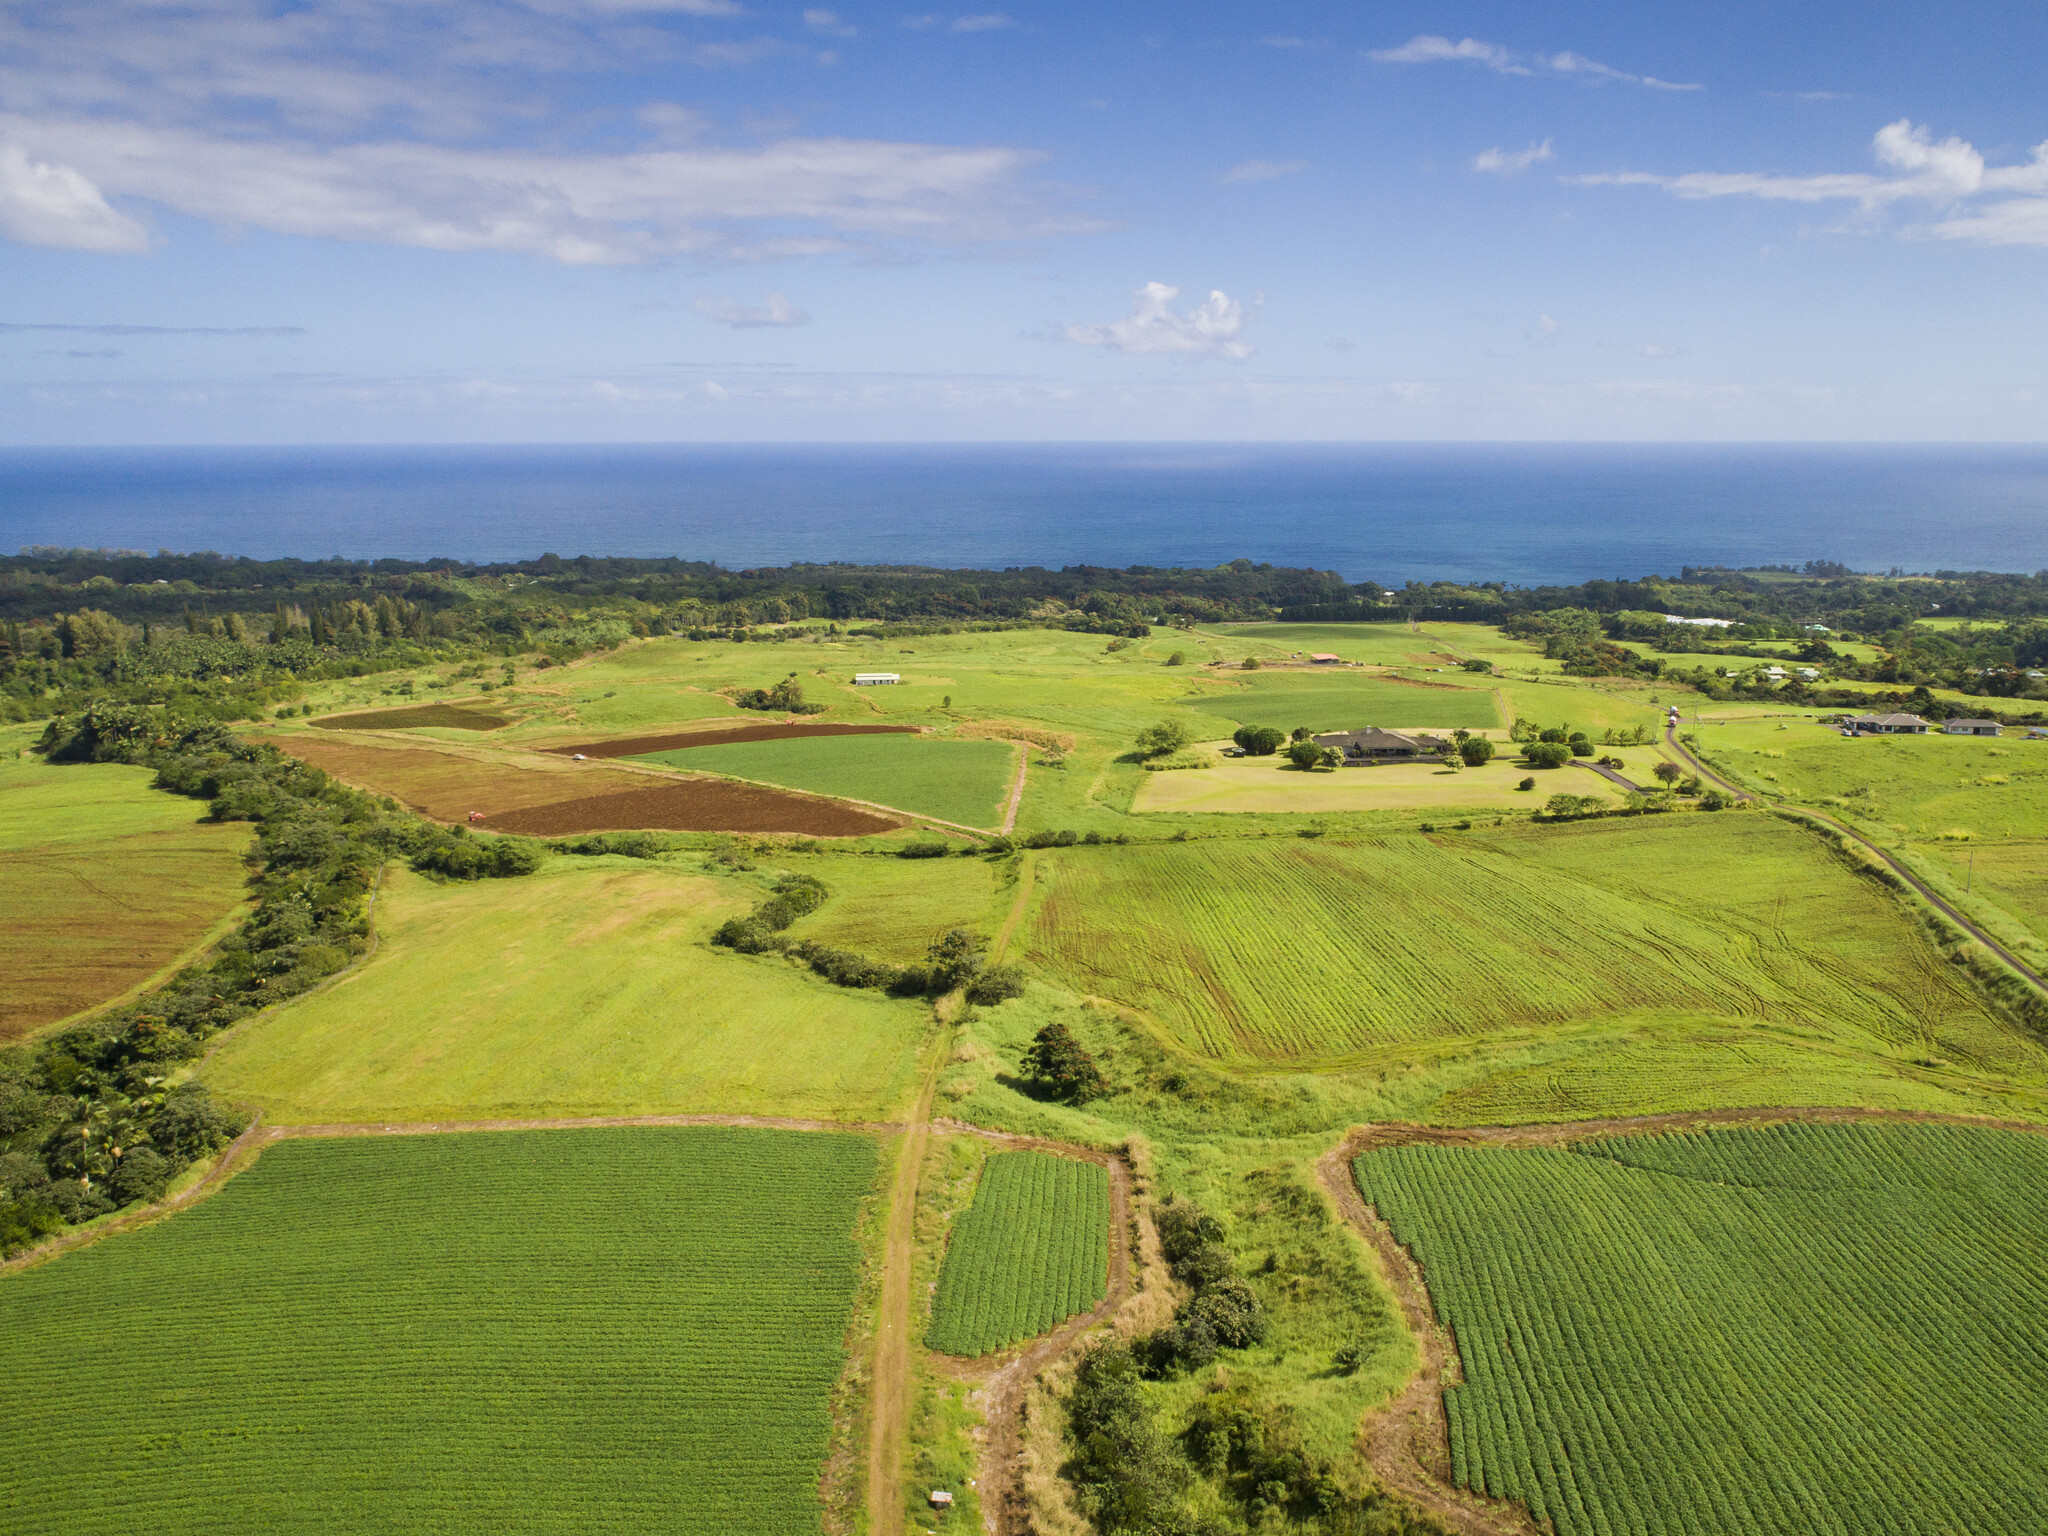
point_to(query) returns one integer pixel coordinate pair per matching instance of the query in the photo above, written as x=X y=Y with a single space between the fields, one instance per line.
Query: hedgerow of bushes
x=88 y=1121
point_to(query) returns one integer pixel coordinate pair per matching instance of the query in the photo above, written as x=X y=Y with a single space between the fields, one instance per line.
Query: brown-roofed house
x=1971 y=728
x=1885 y=725
x=1373 y=745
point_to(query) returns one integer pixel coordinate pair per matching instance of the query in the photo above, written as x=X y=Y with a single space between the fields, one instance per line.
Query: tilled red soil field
x=698 y=805
x=634 y=746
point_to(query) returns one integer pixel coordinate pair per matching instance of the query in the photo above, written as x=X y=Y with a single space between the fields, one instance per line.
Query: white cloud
x=1544 y=333
x=792 y=197
x=1429 y=49
x=1262 y=170
x=828 y=22
x=1440 y=50
x=1992 y=205
x=1502 y=162
x=988 y=21
x=52 y=204
x=744 y=317
x=1210 y=329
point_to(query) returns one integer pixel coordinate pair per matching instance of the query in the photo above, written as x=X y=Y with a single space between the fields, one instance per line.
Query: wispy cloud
x=1990 y=205
x=829 y=23
x=987 y=21
x=1505 y=162
x=1211 y=329
x=1430 y=49
x=1262 y=170
x=777 y=312
x=9 y=328
x=793 y=197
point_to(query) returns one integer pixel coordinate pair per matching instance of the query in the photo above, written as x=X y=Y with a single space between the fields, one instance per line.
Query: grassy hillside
x=105 y=881
x=563 y=1331
x=586 y=989
x=961 y=781
x=1732 y=931
x=1810 y=1328
x=893 y=908
x=1339 y=702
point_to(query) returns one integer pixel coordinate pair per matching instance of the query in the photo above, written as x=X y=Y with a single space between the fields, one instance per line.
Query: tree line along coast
x=1070 y=1025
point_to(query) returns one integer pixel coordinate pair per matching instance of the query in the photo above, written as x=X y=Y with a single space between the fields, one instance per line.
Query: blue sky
x=562 y=220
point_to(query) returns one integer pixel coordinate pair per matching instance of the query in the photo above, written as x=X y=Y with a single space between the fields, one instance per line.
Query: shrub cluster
x=1221 y=1314
x=786 y=697
x=954 y=958
x=1060 y=1067
x=631 y=845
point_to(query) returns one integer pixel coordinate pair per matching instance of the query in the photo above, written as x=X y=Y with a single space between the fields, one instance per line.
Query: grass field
x=959 y=781
x=1031 y=1251
x=1827 y=1328
x=1382 y=952
x=1337 y=702
x=1272 y=786
x=893 y=908
x=586 y=989
x=105 y=881
x=562 y=1331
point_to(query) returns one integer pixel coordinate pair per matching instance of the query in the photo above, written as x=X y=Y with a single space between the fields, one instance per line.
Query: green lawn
x=552 y=1331
x=1031 y=1252
x=893 y=908
x=1800 y=1328
x=958 y=781
x=104 y=881
x=587 y=989
x=1337 y=702
x=1600 y=968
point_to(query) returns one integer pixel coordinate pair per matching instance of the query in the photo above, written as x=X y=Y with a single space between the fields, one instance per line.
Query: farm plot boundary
x=1029 y=1253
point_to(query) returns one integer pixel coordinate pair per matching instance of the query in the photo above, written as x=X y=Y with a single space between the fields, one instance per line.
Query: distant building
x=1373 y=745
x=1971 y=728
x=876 y=679
x=1885 y=725
x=1324 y=658
x=1808 y=672
x=1818 y=629
x=1673 y=618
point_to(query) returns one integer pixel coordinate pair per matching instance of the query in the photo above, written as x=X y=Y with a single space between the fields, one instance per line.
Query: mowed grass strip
x=1827 y=1328
x=587 y=989
x=960 y=781
x=1031 y=1252
x=104 y=881
x=1310 y=951
x=1331 y=701
x=548 y=1331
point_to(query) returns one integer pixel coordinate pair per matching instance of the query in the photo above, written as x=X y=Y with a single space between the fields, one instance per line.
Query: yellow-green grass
x=587 y=989
x=1339 y=701
x=104 y=882
x=1369 y=952
x=630 y=1329
x=1793 y=1328
x=894 y=908
x=1271 y=785
x=958 y=781
x=1384 y=645
x=1922 y=786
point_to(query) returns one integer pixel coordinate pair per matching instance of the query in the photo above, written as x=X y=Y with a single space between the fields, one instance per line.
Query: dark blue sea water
x=1515 y=513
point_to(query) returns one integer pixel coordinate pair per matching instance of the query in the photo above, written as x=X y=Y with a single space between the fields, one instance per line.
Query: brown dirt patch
x=715 y=735
x=411 y=717
x=697 y=805
x=552 y=797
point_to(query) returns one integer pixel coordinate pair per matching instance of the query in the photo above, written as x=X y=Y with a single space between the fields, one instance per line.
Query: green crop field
x=626 y=1329
x=960 y=781
x=105 y=881
x=1381 y=952
x=586 y=989
x=1336 y=702
x=1031 y=1252
x=1827 y=1328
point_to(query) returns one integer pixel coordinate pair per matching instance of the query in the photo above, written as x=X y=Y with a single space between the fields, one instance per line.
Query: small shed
x=876 y=679
x=1323 y=658
x=938 y=1498
x=1971 y=728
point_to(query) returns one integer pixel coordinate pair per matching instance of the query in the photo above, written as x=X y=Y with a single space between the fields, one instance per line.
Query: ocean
x=1510 y=512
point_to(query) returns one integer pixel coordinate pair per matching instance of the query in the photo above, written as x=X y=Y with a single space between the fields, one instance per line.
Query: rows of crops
x=954 y=780
x=558 y=1331
x=1314 y=950
x=1813 y=1328
x=1031 y=1252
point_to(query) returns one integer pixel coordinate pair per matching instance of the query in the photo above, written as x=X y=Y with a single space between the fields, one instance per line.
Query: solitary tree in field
x=1059 y=1065
x=1477 y=751
x=1668 y=773
x=1163 y=738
